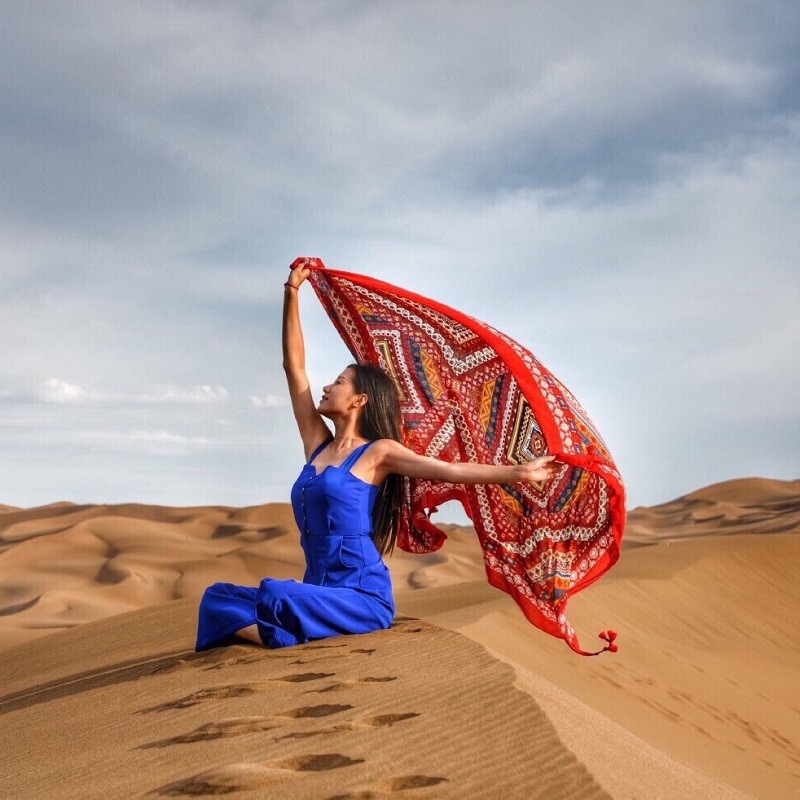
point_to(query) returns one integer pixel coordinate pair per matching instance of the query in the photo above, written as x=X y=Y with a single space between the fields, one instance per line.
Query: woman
x=346 y=502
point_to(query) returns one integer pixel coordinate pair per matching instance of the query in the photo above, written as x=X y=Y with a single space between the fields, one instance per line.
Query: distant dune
x=702 y=699
x=753 y=505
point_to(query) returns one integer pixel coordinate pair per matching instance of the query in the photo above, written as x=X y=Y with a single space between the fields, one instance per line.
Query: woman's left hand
x=540 y=469
x=299 y=272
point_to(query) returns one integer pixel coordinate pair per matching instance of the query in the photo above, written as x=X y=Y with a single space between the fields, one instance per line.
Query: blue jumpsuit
x=346 y=587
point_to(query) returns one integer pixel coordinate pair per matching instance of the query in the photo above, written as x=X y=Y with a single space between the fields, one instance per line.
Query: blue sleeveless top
x=333 y=510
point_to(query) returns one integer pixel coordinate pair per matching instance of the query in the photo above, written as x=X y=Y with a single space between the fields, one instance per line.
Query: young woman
x=346 y=503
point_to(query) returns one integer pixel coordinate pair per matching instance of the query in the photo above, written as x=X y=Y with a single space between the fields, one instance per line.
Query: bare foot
x=250 y=634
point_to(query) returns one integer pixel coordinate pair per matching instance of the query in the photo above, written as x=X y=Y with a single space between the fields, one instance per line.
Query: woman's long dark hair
x=381 y=420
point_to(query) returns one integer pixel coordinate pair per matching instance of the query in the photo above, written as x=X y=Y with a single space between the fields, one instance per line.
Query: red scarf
x=470 y=393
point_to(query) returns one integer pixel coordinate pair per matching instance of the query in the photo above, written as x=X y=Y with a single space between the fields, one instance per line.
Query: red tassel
x=606 y=636
x=609 y=636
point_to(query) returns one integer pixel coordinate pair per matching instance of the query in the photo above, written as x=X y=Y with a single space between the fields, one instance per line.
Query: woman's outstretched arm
x=392 y=457
x=313 y=429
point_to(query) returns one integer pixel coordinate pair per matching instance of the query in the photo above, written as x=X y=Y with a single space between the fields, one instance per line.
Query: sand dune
x=136 y=712
x=703 y=699
x=64 y=565
x=753 y=505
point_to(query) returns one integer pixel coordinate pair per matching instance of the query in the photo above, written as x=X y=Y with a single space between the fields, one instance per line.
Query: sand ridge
x=413 y=708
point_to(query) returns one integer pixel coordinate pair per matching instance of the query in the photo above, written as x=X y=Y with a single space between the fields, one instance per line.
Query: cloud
x=145 y=121
x=155 y=443
x=57 y=391
x=195 y=395
x=613 y=184
x=268 y=401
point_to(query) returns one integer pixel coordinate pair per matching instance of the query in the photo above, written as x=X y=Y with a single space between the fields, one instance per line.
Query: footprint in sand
x=409 y=782
x=243 y=777
x=212 y=659
x=234 y=690
x=314 y=712
x=609 y=681
x=225 y=728
x=302 y=677
x=212 y=693
x=407 y=625
x=238 y=726
x=190 y=661
x=363 y=724
x=381 y=720
x=255 y=657
x=317 y=763
x=400 y=784
x=300 y=662
x=364 y=651
x=341 y=686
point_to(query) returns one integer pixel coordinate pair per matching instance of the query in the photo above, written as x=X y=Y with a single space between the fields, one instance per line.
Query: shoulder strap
x=319 y=450
x=353 y=457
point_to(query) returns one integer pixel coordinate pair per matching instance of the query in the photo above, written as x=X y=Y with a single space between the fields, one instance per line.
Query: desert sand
x=104 y=697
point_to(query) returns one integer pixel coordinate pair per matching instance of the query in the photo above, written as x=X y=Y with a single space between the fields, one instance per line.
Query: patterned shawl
x=470 y=393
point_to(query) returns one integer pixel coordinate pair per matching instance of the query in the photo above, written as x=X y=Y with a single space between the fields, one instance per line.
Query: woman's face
x=340 y=396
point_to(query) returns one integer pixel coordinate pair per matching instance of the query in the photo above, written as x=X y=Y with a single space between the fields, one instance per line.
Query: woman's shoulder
x=378 y=451
x=384 y=446
x=388 y=454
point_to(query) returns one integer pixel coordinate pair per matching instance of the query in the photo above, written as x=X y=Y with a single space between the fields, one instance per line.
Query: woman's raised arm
x=313 y=429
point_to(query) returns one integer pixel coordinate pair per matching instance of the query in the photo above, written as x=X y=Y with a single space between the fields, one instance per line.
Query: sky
x=616 y=185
